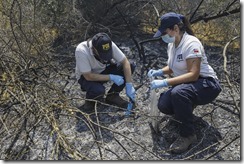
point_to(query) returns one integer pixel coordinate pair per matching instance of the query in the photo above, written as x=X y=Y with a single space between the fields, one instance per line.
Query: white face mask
x=168 y=39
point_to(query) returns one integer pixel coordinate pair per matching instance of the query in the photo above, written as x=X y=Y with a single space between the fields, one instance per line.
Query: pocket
x=211 y=83
x=205 y=83
x=214 y=84
x=218 y=86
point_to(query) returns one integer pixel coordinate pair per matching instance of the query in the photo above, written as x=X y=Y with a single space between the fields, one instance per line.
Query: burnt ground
x=107 y=134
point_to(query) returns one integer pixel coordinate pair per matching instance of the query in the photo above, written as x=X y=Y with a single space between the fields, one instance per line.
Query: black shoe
x=88 y=106
x=181 y=144
x=115 y=99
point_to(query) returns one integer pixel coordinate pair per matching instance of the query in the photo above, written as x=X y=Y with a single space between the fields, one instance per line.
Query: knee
x=161 y=106
x=164 y=107
x=99 y=90
x=96 y=90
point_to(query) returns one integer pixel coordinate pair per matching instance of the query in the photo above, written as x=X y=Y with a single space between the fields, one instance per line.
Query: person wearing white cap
x=99 y=60
x=193 y=81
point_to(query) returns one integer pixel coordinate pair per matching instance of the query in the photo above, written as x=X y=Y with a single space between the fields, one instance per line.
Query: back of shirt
x=86 y=61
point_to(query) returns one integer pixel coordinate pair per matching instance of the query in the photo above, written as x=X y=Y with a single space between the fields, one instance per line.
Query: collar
x=89 y=45
x=182 y=40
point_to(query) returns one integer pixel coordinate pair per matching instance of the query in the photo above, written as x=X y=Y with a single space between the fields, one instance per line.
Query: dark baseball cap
x=103 y=45
x=167 y=20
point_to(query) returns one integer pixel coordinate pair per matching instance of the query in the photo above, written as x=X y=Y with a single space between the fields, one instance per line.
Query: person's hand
x=118 y=80
x=130 y=91
x=153 y=72
x=159 y=84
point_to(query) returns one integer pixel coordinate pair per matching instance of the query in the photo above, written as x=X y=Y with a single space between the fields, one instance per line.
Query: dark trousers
x=179 y=100
x=96 y=89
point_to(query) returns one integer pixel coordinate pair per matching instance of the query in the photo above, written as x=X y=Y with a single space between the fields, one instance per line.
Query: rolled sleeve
x=194 y=51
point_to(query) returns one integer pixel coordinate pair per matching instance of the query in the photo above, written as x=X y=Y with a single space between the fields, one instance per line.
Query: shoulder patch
x=196 y=51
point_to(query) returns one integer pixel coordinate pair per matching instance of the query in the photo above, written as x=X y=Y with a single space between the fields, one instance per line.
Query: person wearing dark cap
x=99 y=60
x=193 y=81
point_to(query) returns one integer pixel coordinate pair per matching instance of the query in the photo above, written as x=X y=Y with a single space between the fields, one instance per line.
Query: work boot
x=181 y=144
x=115 y=99
x=89 y=105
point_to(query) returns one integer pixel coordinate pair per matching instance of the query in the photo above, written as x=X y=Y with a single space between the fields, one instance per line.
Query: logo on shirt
x=179 y=58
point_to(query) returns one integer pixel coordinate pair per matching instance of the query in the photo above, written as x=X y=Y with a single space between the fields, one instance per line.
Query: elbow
x=88 y=77
x=195 y=78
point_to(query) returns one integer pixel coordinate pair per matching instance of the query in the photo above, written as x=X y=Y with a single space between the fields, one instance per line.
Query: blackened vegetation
x=41 y=114
x=43 y=123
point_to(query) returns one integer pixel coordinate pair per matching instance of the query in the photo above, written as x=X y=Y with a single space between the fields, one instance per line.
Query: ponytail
x=185 y=25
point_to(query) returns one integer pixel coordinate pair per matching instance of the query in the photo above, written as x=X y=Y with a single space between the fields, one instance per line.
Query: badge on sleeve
x=196 y=51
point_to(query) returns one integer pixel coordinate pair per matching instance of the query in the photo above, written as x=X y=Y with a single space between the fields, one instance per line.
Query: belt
x=208 y=78
x=212 y=81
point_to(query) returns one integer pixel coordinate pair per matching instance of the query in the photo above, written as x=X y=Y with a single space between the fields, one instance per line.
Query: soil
x=107 y=134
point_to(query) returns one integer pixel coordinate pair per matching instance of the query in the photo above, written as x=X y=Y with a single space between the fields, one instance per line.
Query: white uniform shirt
x=189 y=47
x=86 y=62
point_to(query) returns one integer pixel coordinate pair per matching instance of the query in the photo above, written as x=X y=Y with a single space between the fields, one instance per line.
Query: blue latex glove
x=159 y=84
x=129 y=109
x=130 y=91
x=153 y=72
x=118 y=80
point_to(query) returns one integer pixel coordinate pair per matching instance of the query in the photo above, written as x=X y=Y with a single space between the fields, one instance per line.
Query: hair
x=184 y=26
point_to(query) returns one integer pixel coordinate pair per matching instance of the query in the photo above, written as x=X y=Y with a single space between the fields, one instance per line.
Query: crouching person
x=99 y=60
x=194 y=81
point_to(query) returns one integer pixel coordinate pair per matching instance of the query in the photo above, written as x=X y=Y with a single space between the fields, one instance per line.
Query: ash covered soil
x=107 y=134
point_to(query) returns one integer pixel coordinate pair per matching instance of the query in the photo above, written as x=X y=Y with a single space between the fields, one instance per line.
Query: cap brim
x=106 y=56
x=157 y=34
